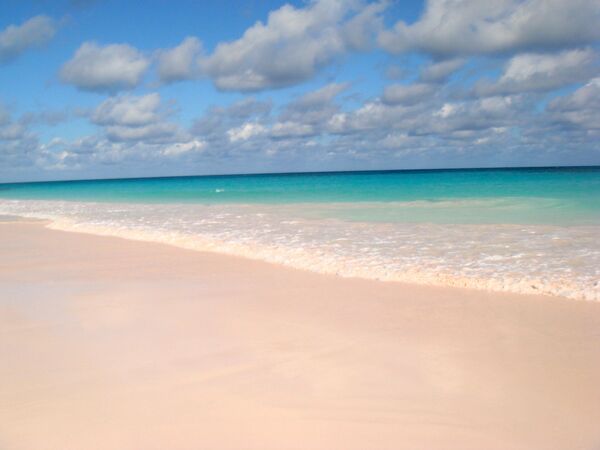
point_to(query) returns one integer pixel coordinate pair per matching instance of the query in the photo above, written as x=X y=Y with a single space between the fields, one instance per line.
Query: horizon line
x=324 y=172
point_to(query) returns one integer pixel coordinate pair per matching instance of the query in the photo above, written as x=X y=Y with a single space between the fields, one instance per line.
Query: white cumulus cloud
x=107 y=68
x=181 y=62
x=180 y=148
x=579 y=109
x=291 y=129
x=292 y=45
x=245 y=131
x=530 y=72
x=127 y=110
x=466 y=27
x=136 y=118
x=15 y=39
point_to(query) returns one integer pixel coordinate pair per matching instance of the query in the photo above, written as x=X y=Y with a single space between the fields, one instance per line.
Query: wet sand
x=108 y=344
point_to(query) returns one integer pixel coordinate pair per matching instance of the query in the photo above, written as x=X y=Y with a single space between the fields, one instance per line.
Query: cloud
x=248 y=107
x=423 y=124
x=245 y=131
x=435 y=117
x=136 y=118
x=133 y=131
x=467 y=27
x=481 y=114
x=372 y=115
x=181 y=148
x=181 y=62
x=313 y=108
x=580 y=109
x=247 y=126
x=406 y=94
x=127 y=110
x=215 y=124
x=18 y=144
x=105 y=69
x=104 y=154
x=16 y=39
x=359 y=32
x=4 y=115
x=46 y=117
x=292 y=46
x=530 y=72
x=291 y=129
x=10 y=129
x=158 y=131
x=319 y=97
x=438 y=72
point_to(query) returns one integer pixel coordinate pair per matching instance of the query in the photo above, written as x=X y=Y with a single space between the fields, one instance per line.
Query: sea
x=521 y=230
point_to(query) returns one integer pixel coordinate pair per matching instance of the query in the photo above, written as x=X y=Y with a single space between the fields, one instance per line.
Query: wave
x=534 y=259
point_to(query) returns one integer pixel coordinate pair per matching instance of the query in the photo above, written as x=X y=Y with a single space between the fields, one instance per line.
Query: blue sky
x=94 y=89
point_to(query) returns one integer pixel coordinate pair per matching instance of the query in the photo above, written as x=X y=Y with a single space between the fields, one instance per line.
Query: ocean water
x=517 y=230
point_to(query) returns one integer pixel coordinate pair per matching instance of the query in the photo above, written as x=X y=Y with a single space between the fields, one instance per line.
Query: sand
x=113 y=344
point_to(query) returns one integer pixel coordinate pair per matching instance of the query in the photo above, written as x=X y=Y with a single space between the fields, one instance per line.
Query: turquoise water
x=536 y=195
x=518 y=230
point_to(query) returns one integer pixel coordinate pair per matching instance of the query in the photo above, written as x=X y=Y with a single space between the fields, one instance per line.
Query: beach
x=110 y=343
x=300 y=225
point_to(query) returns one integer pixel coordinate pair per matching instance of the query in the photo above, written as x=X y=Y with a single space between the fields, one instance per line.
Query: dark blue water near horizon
x=578 y=184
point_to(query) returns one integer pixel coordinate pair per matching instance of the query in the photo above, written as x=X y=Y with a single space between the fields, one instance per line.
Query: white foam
x=538 y=259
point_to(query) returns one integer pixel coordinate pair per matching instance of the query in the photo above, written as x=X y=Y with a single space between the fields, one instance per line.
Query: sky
x=111 y=89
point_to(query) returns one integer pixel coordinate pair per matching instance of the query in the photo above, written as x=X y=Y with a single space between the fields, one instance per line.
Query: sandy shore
x=114 y=344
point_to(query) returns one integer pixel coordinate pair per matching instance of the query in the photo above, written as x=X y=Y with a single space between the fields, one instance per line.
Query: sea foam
x=530 y=258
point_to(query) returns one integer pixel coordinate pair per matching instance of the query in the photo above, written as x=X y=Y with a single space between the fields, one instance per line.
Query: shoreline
x=327 y=264
x=109 y=343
